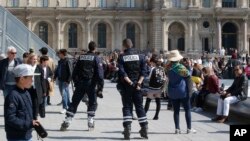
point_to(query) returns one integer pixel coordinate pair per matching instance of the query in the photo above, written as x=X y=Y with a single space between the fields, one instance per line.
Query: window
x=130 y=30
x=72 y=3
x=206 y=3
x=228 y=3
x=131 y=3
x=43 y=32
x=42 y=3
x=102 y=3
x=14 y=3
x=102 y=38
x=176 y=3
x=72 y=35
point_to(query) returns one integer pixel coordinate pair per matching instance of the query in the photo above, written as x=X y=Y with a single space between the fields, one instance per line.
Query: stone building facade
x=187 y=25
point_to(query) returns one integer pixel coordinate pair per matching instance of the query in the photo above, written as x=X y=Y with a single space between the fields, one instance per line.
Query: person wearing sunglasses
x=7 y=79
x=237 y=92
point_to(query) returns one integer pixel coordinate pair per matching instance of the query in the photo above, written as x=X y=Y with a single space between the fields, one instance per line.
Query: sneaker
x=177 y=131
x=66 y=123
x=91 y=123
x=191 y=131
x=199 y=109
x=63 y=111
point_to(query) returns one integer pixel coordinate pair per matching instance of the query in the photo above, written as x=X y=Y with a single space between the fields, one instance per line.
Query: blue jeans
x=8 y=89
x=64 y=90
x=186 y=105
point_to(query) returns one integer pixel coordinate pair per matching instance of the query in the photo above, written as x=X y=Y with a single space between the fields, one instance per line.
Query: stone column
x=218 y=3
x=118 y=35
x=88 y=30
x=196 y=35
x=191 y=41
x=243 y=4
x=145 y=35
x=245 y=47
x=157 y=32
x=190 y=3
x=29 y=24
x=219 y=34
x=59 y=40
x=196 y=3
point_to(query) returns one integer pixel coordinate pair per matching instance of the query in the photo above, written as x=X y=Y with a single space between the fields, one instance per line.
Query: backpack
x=157 y=78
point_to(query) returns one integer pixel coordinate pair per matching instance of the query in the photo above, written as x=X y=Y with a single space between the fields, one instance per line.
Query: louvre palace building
x=186 y=25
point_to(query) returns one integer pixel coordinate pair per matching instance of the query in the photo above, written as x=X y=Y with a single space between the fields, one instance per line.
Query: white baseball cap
x=24 y=70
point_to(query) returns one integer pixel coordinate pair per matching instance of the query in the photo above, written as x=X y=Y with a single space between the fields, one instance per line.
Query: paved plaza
x=109 y=122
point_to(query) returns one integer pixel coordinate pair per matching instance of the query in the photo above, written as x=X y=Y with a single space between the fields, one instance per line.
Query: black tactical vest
x=87 y=65
x=132 y=66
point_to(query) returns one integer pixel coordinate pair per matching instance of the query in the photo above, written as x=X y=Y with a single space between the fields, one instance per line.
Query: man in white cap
x=7 y=79
x=19 y=123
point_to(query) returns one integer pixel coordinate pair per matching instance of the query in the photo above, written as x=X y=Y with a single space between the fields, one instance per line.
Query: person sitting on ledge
x=235 y=93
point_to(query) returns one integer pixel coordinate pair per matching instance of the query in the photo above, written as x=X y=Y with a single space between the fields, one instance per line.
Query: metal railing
x=14 y=33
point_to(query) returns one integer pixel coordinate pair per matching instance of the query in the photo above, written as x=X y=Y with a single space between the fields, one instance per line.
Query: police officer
x=132 y=70
x=87 y=72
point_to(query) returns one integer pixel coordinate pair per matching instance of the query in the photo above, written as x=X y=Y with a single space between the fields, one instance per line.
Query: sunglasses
x=12 y=52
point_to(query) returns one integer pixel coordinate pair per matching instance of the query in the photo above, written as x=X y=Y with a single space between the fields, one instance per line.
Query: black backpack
x=157 y=79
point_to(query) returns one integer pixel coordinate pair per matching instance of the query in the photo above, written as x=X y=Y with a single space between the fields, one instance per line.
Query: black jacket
x=64 y=70
x=239 y=87
x=4 y=68
x=18 y=115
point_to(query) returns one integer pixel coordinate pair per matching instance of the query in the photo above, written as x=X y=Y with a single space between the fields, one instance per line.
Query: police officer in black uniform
x=132 y=71
x=87 y=72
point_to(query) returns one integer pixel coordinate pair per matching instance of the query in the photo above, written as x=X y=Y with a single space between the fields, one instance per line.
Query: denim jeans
x=64 y=90
x=186 y=105
x=8 y=89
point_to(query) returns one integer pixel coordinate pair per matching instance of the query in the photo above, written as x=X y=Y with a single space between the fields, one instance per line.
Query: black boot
x=147 y=105
x=144 y=132
x=158 y=108
x=48 y=100
x=126 y=132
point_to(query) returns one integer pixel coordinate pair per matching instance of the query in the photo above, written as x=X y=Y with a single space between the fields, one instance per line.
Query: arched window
x=206 y=3
x=43 y=32
x=72 y=35
x=103 y=3
x=72 y=3
x=130 y=30
x=131 y=3
x=228 y=3
x=102 y=38
x=42 y=3
x=14 y=3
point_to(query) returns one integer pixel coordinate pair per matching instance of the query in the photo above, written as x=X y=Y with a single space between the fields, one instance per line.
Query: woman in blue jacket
x=179 y=89
x=18 y=113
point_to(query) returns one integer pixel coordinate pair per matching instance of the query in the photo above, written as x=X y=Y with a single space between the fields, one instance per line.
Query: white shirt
x=33 y=83
x=44 y=72
x=222 y=52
